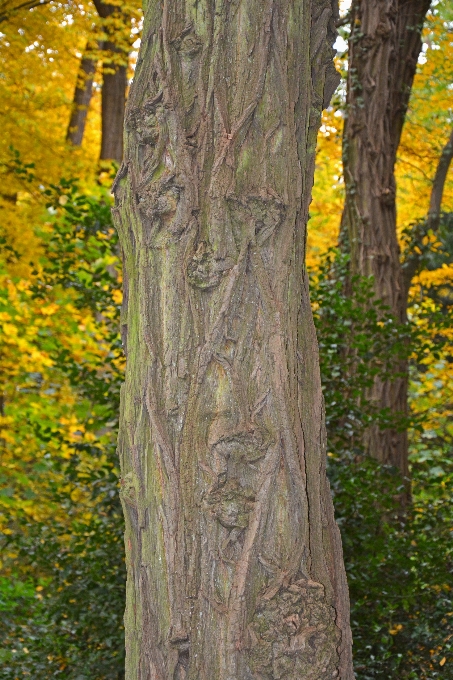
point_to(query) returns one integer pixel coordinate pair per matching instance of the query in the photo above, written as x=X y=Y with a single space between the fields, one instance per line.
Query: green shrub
x=399 y=562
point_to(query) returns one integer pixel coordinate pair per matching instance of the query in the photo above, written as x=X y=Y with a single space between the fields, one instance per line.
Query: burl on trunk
x=234 y=559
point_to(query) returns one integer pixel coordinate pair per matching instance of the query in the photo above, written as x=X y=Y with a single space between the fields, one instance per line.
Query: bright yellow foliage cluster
x=54 y=407
x=40 y=52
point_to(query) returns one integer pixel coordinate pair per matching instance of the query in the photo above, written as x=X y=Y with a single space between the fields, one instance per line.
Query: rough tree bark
x=113 y=96
x=383 y=50
x=82 y=97
x=234 y=558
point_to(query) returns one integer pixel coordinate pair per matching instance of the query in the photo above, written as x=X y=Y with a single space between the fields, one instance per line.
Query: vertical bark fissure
x=384 y=47
x=230 y=527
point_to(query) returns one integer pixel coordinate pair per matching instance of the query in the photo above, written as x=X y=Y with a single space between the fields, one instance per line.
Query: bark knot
x=204 y=270
x=230 y=504
x=293 y=635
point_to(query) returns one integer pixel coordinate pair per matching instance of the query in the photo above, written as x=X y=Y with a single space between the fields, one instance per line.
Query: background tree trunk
x=113 y=97
x=415 y=252
x=114 y=87
x=82 y=97
x=234 y=558
x=384 y=47
x=437 y=191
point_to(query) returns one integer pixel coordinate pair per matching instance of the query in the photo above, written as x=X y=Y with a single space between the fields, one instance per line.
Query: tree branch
x=343 y=21
x=5 y=14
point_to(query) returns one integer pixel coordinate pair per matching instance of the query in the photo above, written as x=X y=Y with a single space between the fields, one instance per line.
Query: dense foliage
x=64 y=597
x=399 y=563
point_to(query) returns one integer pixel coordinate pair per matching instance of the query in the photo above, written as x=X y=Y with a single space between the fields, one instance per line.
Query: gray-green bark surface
x=235 y=568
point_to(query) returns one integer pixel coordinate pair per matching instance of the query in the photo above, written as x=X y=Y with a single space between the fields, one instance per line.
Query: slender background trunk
x=114 y=86
x=437 y=191
x=414 y=255
x=384 y=47
x=82 y=97
x=234 y=559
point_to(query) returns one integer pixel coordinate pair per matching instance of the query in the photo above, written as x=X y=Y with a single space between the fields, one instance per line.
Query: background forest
x=64 y=74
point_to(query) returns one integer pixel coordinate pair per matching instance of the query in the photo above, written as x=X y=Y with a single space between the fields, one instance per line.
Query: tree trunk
x=437 y=191
x=114 y=87
x=82 y=97
x=383 y=51
x=234 y=558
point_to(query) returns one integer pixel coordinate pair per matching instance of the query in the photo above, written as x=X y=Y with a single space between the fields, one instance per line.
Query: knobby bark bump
x=384 y=47
x=234 y=559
